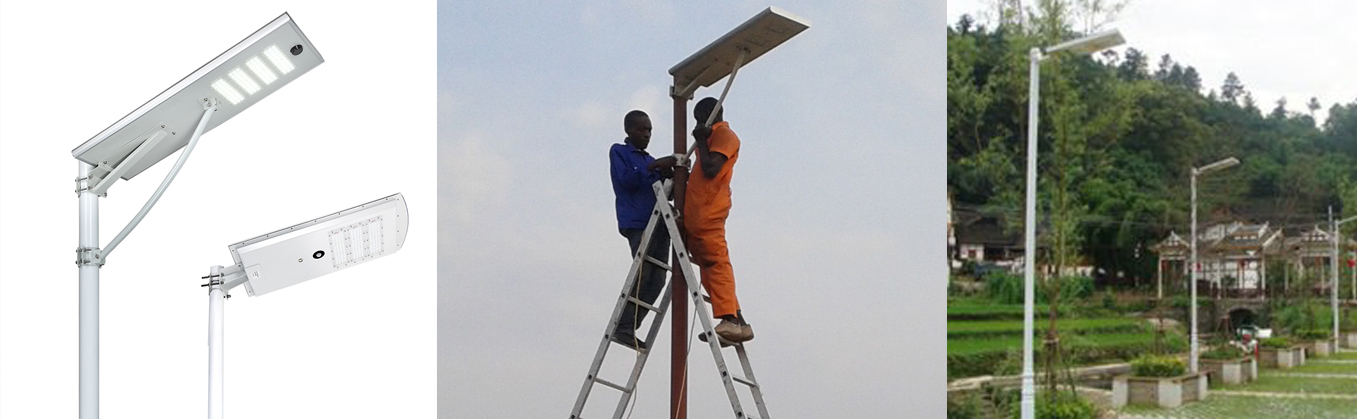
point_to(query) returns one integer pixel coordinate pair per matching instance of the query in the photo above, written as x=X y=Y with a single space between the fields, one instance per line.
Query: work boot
x=724 y=343
x=629 y=340
x=735 y=332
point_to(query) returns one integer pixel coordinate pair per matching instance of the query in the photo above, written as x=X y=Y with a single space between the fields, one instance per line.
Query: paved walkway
x=1282 y=395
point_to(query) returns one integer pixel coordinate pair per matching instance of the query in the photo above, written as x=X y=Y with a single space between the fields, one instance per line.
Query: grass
x=987 y=328
x=975 y=309
x=969 y=346
x=1321 y=367
x=1272 y=382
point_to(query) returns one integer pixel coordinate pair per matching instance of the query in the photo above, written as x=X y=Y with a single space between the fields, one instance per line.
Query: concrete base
x=1281 y=358
x=1320 y=348
x=1165 y=392
x=1350 y=340
x=1230 y=371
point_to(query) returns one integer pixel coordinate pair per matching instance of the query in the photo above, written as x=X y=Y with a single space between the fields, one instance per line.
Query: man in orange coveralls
x=706 y=206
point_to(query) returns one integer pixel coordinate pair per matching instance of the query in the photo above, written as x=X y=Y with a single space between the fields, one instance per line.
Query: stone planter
x=1156 y=391
x=1320 y=348
x=1231 y=371
x=1282 y=358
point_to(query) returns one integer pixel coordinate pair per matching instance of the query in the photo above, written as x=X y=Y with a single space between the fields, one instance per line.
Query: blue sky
x=837 y=231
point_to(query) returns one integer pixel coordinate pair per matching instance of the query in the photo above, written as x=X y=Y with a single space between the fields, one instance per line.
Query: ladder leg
x=749 y=375
x=639 y=261
x=643 y=356
x=703 y=314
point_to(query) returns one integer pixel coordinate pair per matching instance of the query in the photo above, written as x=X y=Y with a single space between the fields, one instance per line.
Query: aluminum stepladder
x=664 y=211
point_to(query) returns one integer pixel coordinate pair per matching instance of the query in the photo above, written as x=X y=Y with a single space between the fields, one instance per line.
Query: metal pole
x=216 y=331
x=89 y=298
x=1029 y=390
x=1333 y=269
x=1159 y=278
x=1192 y=355
x=678 y=360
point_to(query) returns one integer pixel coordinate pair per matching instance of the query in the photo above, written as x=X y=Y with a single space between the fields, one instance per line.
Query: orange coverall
x=706 y=206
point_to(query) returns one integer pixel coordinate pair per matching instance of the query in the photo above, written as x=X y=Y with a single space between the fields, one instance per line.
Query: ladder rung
x=744 y=381
x=656 y=262
x=706 y=298
x=610 y=384
x=643 y=304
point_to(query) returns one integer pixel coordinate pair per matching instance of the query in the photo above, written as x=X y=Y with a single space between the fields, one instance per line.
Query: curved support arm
x=209 y=108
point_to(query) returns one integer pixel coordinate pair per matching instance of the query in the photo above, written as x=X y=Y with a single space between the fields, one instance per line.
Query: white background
x=358 y=343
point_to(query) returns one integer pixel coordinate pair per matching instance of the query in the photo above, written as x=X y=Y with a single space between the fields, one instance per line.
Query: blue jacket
x=631 y=185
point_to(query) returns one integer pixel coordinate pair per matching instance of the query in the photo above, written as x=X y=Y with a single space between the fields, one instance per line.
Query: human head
x=637 y=125
x=703 y=109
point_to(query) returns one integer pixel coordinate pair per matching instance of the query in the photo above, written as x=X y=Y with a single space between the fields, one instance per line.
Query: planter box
x=1283 y=358
x=1320 y=348
x=1154 y=391
x=1231 y=371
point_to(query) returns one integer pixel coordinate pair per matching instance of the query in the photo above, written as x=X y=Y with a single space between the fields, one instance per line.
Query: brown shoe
x=724 y=343
x=733 y=332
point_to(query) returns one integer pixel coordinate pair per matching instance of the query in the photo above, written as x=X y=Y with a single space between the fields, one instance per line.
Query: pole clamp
x=215 y=281
x=88 y=256
x=83 y=184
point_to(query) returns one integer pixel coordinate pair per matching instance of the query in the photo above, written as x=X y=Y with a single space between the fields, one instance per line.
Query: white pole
x=1029 y=391
x=216 y=311
x=1159 y=277
x=89 y=299
x=1192 y=317
x=1333 y=268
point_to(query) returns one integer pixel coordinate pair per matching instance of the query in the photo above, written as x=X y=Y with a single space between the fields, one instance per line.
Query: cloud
x=592 y=115
x=477 y=174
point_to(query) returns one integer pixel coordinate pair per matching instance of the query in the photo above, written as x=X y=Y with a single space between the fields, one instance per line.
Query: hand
x=702 y=133
x=666 y=162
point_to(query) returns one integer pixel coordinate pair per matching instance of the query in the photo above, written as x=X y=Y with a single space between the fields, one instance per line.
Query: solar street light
x=1086 y=45
x=1221 y=164
x=293 y=255
x=723 y=57
x=175 y=119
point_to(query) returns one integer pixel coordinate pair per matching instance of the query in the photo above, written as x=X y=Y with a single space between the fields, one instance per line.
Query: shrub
x=1297 y=317
x=1224 y=352
x=1109 y=300
x=1063 y=405
x=1157 y=366
x=1004 y=287
x=1277 y=342
x=1075 y=287
x=1312 y=334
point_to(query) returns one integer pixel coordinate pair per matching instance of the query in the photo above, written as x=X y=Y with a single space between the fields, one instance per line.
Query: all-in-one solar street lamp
x=1085 y=45
x=294 y=255
x=1333 y=292
x=1196 y=266
x=722 y=57
x=254 y=68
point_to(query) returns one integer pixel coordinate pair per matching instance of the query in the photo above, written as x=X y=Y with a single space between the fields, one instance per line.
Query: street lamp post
x=1085 y=45
x=1333 y=294
x=1195 y=266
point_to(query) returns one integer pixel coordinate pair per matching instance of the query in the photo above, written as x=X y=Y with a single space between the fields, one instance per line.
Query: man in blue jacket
x=633 y=171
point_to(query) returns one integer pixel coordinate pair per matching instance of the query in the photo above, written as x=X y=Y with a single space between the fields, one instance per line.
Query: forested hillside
x=1120 y=131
